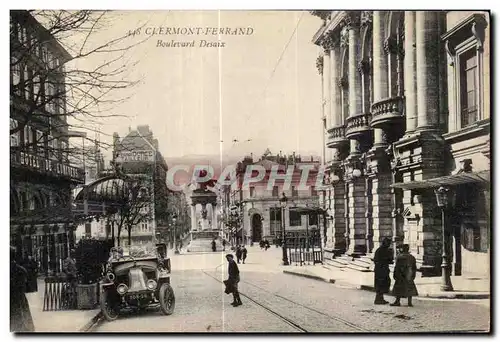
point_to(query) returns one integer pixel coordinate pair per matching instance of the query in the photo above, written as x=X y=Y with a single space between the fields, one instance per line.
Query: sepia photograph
x=250 y=171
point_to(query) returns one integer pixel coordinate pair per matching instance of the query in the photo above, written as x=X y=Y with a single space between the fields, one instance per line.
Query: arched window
x=394 y=48
x=366 y=69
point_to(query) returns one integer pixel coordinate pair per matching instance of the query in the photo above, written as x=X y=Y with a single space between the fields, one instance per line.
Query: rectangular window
x=275 y=220
x=295 y=218
x=16 y=72
x=88 y=230
x=468 y=88
x=313 y=191
x=37 y=89
x=295 y=192
x=275 y=191
x=28 y=83
x=252 y=191
x=14 y=138
x=40 y=142
x=49 y=94
x=28 y=137
x=313 y=219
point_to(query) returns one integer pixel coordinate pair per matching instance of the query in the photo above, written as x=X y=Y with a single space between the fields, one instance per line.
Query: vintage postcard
x=216 y=171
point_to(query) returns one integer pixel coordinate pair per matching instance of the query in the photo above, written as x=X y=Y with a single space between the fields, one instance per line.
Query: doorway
x=256 y=228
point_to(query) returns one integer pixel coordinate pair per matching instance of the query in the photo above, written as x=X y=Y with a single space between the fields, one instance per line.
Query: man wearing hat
x=234 y=279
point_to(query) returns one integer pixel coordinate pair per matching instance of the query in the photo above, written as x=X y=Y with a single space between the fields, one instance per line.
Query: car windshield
x=145 y=251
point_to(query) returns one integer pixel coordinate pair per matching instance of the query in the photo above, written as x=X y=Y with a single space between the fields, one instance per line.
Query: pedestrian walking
x=20 y=314
x=244 y=253
x=214 y=246
x=238 y=253
x=224 y=244
x=382 y=279
x=233 y=279
x=405 y=271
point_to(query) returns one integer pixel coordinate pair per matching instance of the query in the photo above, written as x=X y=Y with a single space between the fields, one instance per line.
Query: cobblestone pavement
x=278 y=302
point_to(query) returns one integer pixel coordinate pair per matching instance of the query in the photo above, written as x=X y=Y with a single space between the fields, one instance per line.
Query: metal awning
x=452 y=180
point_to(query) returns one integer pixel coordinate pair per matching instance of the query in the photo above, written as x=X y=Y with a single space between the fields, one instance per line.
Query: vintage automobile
x=135 y=281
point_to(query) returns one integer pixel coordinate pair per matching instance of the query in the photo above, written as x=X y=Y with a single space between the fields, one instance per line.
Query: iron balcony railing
x=46 y=165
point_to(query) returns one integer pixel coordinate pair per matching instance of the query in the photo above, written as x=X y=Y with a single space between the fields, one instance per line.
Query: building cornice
x=334 y=24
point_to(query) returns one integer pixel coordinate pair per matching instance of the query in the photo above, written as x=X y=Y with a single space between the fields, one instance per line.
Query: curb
x=94 y=321
x=451 y=295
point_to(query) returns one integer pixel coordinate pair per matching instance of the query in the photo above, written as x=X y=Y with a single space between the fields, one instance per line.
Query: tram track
x=285 y=319
x=293 y=324
x=335 y=318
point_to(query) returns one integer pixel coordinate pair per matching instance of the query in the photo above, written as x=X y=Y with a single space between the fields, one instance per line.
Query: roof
x=106 y=189
x=451 y=180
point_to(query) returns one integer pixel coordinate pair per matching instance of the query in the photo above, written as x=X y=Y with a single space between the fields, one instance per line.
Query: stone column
x=355 y=95
x=427 y=43
x=357 y=218
x=194 y=225
x=326 y=87
x=410 y=72
x=336 y=105
x=380 y=66
x=380 y=71
x=214 y=217
x=381 y=207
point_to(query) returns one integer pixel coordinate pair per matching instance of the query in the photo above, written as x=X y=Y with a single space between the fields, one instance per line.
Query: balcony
x=388 y=112
x=357 y=125
x=46 y=166
x=336 y=137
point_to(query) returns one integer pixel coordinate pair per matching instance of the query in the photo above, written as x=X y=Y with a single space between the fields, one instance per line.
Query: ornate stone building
x=406 y=104
x=259 y=202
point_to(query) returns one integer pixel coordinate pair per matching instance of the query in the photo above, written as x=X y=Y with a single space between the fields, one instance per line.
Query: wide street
x=278 y=302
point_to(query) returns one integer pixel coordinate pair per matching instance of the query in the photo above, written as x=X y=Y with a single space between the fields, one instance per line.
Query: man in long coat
x=405 y=271
x=382 y=280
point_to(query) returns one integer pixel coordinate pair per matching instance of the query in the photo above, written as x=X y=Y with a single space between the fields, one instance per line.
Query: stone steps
x=203 y=245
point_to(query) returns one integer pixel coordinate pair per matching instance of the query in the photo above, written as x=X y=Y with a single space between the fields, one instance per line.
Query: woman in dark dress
x=382 y=280
x=405 y=271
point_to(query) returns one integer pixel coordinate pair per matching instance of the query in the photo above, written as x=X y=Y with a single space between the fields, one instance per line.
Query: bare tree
x=136 y=208
x=83 y=85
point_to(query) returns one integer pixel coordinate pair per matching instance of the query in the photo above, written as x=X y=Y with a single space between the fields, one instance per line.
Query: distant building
x=137 y=154
x=260 y=207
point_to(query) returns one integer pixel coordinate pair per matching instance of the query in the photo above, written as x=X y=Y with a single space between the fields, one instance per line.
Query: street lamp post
x=174 y=221
x=283 y=202
x=443 y=198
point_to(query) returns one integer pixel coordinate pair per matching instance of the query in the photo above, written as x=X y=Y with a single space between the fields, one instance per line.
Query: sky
x=262 y=87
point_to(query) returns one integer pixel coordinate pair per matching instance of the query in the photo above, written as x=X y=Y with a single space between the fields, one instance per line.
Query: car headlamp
x=151 y=284
x=122 y=289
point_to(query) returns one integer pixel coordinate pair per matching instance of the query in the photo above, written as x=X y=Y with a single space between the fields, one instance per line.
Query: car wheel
x=108 y=309
x=167 y=299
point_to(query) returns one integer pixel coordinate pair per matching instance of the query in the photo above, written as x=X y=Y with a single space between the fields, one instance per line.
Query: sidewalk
x=464 y=287
x=58 y=321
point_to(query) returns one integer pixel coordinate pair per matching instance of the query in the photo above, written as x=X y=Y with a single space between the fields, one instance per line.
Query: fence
x=301 y=257
x=59 y=294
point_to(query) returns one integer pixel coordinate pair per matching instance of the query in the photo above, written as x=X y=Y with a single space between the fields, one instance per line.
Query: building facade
x=41 y=175
x=259 y=203
x=406 y=105
x=137 y=154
